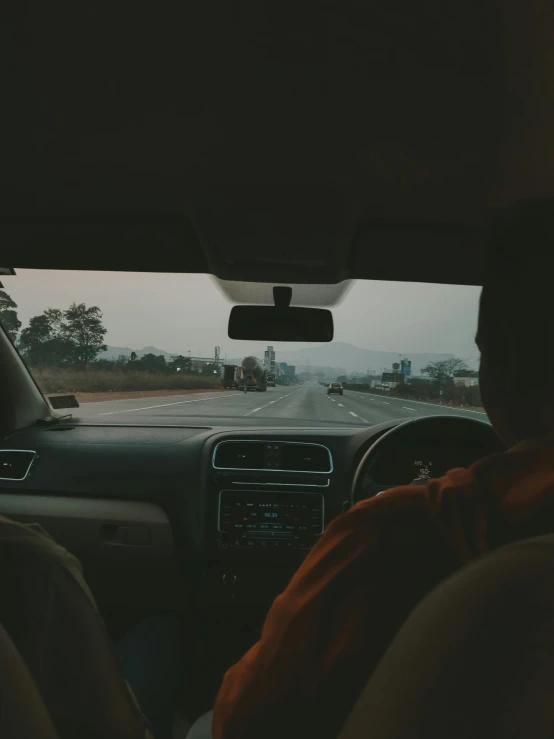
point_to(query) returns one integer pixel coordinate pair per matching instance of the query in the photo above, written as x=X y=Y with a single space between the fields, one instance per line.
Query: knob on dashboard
x=228 y=578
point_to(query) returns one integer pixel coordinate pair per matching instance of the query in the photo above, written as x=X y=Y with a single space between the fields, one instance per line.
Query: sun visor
x=417 y=251
x=137 y=242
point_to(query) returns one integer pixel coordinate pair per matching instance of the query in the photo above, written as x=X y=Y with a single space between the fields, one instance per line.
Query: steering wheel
x=453 y=431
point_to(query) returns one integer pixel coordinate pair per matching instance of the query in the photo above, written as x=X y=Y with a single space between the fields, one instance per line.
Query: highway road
x=307 y=403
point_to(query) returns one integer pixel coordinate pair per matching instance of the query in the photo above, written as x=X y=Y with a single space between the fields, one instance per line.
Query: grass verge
x=58 y=380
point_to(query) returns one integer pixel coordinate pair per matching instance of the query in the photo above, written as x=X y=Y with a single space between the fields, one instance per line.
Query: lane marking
x=434 y=405
x=341 y=405
x=409 y=409
x=178 y=402
x=384 y=402
x=357 y=416
x=164 y=405
x=254 y=410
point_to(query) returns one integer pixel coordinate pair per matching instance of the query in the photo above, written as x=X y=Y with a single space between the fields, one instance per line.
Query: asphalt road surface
x=309 y=403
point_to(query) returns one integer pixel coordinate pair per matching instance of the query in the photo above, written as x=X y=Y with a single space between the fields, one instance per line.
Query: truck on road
x=271 y=379
x=231 y=376
x=254 y=376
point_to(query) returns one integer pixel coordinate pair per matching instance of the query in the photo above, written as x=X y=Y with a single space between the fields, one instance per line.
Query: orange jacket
x=324 y=635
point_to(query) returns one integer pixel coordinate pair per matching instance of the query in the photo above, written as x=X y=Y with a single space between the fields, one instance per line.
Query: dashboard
x=243 y=505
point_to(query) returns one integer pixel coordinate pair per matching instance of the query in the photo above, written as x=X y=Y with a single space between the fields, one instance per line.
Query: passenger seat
x=23 y=714
x=52 y=620
x=474 y=659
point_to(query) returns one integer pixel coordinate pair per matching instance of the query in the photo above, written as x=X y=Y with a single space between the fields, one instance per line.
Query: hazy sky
x=178 y=313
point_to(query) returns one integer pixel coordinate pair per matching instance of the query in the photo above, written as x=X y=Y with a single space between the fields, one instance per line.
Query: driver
x=325 y=634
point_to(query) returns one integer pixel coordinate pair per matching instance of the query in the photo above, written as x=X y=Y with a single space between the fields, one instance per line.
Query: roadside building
x=470 y=381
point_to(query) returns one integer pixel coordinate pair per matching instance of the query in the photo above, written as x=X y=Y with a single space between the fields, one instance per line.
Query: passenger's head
x=516 y=324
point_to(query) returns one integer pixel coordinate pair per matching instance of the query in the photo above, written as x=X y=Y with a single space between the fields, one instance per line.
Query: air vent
x=239 y=455
x=15 y=464
x=306 y=458
x=274 y=456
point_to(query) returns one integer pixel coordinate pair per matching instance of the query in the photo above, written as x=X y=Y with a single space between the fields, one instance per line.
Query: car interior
x=227 y=144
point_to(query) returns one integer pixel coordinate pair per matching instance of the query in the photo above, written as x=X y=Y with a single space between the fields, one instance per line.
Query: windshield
x=153 y=348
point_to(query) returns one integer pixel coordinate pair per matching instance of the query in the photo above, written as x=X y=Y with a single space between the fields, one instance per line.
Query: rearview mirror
x=268 y=323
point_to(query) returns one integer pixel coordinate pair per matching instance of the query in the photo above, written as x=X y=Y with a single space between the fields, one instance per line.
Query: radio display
x=251 y=516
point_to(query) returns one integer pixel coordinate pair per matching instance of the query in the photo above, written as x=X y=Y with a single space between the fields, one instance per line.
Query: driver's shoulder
x=425 y=522
x=416 y=495
x=458 y=487
x=460 y=491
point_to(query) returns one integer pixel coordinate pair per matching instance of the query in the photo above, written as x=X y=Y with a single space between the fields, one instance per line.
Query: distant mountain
x=354 y=358
x=113 y=352
x=340 y=357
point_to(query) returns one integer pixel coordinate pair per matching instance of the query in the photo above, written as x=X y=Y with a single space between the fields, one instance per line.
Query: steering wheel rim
x=404 y=429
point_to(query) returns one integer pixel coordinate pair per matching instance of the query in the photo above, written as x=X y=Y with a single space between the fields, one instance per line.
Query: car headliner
x=304 y=147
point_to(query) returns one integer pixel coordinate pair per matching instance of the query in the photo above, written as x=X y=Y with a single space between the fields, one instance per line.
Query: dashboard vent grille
x=306 y=458
x=239 y=455
x=275 y=456
x=15 y=464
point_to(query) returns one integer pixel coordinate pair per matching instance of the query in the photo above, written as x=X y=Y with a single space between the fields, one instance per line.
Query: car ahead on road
x=335 y=387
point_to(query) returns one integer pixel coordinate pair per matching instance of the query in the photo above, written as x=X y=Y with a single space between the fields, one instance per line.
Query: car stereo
x=271 y=520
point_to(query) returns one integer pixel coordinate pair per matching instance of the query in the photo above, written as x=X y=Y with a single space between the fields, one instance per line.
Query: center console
x=273 y=519
x=267 y=502
x=267 y=497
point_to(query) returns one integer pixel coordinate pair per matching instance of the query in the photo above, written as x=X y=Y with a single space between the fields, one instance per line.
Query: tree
x=83 y=326
x=42 y=342
x=8 y=315
x=55 y=320
x=37 y=332
x=179 y=363
x=445 y=370
x=57 y=337
x=466 y=373
x=152 y=363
